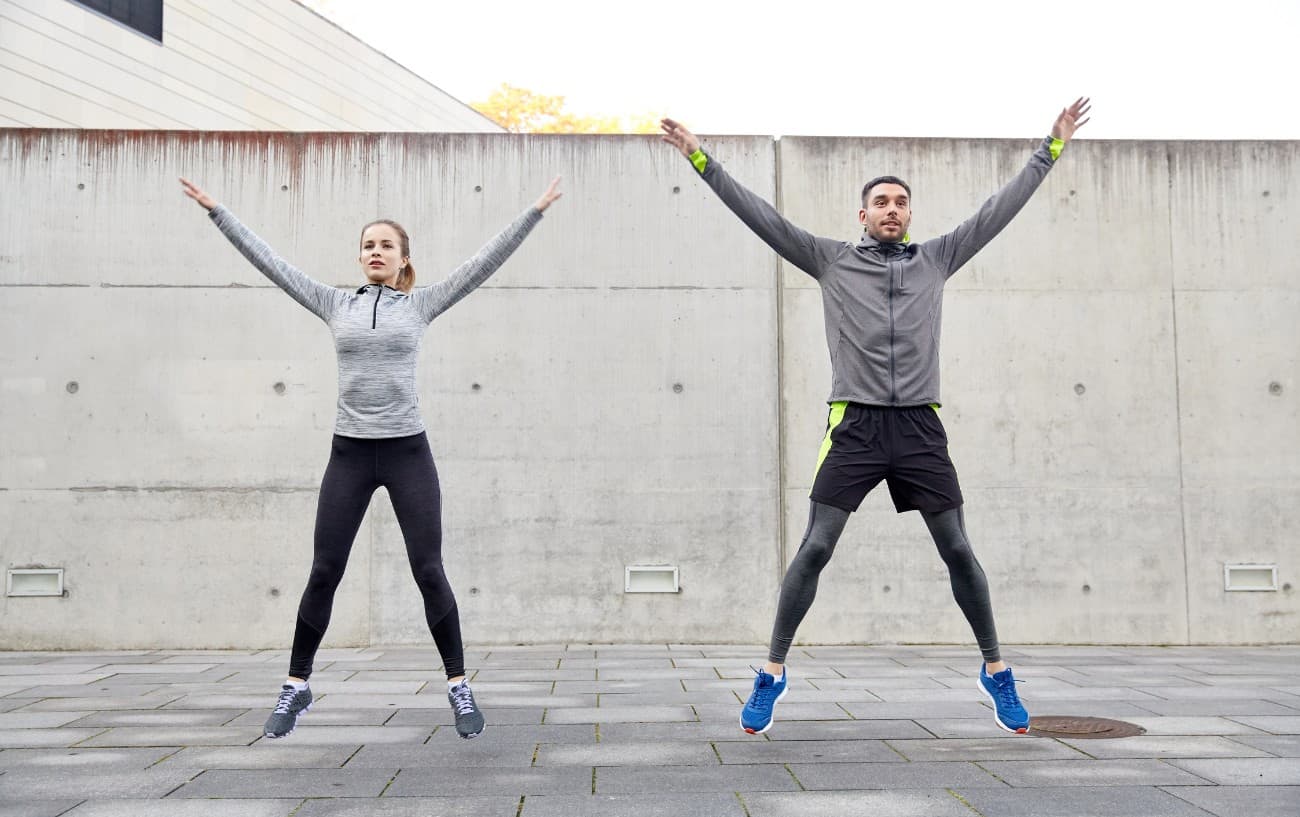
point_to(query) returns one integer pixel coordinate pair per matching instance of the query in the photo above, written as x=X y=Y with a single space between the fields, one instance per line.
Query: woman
x=379 y=437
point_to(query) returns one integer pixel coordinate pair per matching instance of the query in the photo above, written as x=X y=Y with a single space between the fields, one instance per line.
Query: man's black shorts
x=907 y=447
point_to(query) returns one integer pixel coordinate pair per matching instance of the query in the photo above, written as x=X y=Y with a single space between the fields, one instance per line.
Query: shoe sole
x=304 y=711
x=770 y=720
x=1021 y=731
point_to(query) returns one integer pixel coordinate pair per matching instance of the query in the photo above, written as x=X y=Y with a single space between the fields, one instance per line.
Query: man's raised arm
x=796 y=245
x=960 y=245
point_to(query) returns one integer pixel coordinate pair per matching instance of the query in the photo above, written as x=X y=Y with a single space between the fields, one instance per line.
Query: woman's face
x=381 y=254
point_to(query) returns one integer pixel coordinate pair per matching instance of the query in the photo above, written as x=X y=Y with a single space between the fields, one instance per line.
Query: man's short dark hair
x=884 y=180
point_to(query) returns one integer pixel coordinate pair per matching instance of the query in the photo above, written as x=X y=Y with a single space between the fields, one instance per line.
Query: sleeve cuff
x=1055 y=146
x=699 y=160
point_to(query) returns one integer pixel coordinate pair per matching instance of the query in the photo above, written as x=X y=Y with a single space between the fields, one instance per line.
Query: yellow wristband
x=699 y=160
x=1055 y=148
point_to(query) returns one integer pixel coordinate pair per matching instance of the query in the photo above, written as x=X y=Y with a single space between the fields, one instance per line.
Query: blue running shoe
x=756 y=717
x=1008 y=712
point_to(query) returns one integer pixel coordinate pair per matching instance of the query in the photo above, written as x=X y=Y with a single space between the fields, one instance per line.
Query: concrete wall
x=221 y=65
x=643 y=382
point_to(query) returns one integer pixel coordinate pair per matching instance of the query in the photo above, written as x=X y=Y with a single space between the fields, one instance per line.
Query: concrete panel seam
x=779 y=301
x=1178 y=410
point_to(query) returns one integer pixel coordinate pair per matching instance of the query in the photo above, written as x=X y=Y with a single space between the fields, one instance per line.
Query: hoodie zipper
x=374 y=315
x=893 y=386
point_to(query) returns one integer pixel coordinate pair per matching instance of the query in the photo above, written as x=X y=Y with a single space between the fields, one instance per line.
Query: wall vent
x=34 y=581
x=650 y=579
x=1249 y=577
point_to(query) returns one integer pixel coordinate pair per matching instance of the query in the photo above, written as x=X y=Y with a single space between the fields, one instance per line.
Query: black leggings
x=403 y=466
x=825 y=524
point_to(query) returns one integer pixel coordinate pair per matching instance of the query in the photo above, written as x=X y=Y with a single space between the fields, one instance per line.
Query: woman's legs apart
x=344 y=495
x=969 y=586
x=412 y=482
x=825 y=524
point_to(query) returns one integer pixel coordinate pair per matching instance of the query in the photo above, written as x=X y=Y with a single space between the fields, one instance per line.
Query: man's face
x=887 y=212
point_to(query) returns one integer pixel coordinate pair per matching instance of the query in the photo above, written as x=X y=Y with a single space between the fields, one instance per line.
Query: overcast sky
x=1000 y=68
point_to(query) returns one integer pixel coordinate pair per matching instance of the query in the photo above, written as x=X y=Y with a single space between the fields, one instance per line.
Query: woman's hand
x=195 y=192
x=549 y=196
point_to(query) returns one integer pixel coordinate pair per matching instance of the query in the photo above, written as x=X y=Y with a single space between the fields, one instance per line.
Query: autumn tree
x=520 y=110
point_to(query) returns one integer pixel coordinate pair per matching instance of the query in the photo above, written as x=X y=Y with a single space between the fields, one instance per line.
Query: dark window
x=145 y=16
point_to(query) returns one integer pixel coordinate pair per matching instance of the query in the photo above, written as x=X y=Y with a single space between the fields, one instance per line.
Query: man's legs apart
x=971 y=590
x=969 y=586
x=825 y=524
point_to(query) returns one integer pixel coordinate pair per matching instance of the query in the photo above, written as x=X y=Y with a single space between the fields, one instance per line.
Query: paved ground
x=649 y=730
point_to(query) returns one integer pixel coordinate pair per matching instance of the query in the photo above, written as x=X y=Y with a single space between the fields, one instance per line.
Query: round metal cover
x=1073 y=726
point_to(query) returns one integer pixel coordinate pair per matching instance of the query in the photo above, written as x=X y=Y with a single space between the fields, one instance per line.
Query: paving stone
x=10 y=704
x=173 y=736
x=807 y=751
x=654 y=779
x=706 y=731
x=525 y=733
x=491 y=780
x=1027 y=773
x=36 y=808
x=1280 y=745
x=906 y=803
x=73 y=759
x=37 y=686
x=481 y=751
x=844 y=730
x=1230 y=708
x=160 y=718
x=1242 y=801
x=87 y=690
x=908 y=711
x=848 y=776
x=279 y=783
x=172 y=807
x=524 y=700
x=621 y=714
x=1159 y=725
x=265 y=754
x=1160 y=746
x=495 y=674
x=1117 y=801
x=38 y=720
x=1018 y=747
x=1272 y=724
x=308 y=734
x=499 y=806
x=620 y=805
x=96 y=783
x=38 y=738
x=10 y=671
x=639 y=753
x=1273 y=771
x=323 y=716
x=788 y=710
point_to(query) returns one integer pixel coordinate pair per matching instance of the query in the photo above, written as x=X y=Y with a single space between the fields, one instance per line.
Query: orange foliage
x=520 y=110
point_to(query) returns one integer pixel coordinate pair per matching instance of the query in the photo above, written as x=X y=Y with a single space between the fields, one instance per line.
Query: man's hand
x=195 y=192
x=1070 y=119
x=679 y=137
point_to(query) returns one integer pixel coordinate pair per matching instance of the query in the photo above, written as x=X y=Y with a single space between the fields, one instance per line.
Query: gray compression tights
x=825 y=524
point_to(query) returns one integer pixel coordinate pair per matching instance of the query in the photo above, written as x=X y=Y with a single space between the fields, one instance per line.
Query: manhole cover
x=1071 y=726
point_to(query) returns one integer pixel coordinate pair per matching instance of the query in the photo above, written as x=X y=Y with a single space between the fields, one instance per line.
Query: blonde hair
x=405 y=278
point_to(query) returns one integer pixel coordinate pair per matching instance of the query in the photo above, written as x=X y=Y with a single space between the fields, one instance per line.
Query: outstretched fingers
x=552 y=193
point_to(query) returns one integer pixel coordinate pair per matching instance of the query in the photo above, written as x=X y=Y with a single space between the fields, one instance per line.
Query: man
x=882 y=300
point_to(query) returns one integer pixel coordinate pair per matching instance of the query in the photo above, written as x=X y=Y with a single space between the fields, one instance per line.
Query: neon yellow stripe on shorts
x=837 y=414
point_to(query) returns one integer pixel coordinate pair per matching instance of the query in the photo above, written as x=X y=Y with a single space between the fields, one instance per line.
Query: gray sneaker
x=469 y=720
x=292 y=703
